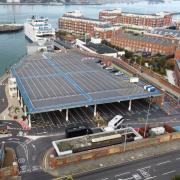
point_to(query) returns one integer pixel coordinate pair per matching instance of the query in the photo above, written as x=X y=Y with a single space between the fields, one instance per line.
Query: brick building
x=74 y=22
x=136 y=20
x=177 y=53
x=136 y=43
x=177 y=72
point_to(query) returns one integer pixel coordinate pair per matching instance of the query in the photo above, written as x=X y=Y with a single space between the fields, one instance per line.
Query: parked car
x=114 y=70
x=109 y=68
x=119 y=73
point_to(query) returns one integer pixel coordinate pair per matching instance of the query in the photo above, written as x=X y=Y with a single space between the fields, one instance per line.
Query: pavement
x=91 y=166
x=3 y=98
x=163 y=167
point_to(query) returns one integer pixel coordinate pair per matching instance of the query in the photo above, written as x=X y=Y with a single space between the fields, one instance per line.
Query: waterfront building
x=74 y=22
x=145 y=21
x=177 y=53
x=177 y=72
x=13 y=1
x=96 y=47
x=142 y=43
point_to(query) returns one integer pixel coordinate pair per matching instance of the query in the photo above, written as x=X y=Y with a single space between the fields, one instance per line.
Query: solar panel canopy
x=56 y=81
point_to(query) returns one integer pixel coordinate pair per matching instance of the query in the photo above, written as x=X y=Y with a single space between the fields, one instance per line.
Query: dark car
x=114 y=70
x=76 y=131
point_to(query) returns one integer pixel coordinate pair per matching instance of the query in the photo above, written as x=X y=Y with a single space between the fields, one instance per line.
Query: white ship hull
x=34 y=36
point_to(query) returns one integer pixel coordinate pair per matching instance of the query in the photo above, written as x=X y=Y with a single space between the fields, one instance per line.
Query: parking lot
x=54 y=122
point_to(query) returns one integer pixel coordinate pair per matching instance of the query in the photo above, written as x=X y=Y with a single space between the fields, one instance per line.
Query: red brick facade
x=177 y=54
x=91 y=27
x=154 y=20
x=144 y=44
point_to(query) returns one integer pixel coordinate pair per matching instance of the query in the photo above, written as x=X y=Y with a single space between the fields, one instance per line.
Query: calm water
x=13 y=46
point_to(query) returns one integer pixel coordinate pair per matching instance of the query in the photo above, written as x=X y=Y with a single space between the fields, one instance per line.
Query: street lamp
x=147 y=118
x=125 y=138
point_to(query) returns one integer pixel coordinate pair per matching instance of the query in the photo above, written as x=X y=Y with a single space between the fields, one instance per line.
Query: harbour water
x=13 y=45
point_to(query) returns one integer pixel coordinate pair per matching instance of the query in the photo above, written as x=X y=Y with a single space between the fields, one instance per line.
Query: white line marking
x=122 y=174
x=150 y=177
x=105 y=179
x=163 y=163
x=169 y=172
x=178 y=158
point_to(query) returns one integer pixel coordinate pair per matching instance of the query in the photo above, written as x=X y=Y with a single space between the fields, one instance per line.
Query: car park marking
x=178 y=158
x=165 y=162
x=169 y=172
x=152 y=177
x=117 y=175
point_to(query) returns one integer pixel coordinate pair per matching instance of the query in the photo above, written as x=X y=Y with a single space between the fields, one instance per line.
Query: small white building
x=13 y=1
x=12 y=87
x=95 y=46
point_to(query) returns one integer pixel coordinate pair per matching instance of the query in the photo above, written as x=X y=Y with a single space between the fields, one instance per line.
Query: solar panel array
x=67 y=80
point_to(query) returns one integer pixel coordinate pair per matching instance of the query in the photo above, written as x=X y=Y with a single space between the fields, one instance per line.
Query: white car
x=119 y=73
x=116 y=122
x=109 y=68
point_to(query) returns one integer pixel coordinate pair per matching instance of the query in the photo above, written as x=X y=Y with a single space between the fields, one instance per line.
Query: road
x=3 y=99
x=30 y=154
x=157 y=168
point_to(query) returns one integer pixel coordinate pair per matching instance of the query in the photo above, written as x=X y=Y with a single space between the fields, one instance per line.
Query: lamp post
x=125 y=138
x=147 y=117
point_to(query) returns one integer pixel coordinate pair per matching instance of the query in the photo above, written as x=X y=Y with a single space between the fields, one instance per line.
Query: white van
x=116 y=121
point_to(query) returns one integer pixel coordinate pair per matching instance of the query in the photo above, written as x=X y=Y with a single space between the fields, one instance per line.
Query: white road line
x=178 y=158
x=169 y=172
x=150 y=177
x=165 y=162
x=121 y=174
x=105 y=179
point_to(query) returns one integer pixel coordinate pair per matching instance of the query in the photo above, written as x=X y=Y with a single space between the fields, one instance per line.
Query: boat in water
x=38 y=29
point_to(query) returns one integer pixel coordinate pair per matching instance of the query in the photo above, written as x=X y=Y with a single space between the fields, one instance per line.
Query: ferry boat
x=38 y=29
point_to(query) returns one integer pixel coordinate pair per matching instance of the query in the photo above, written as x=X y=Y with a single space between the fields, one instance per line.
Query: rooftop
x=164 y=42
x=178 y=63
x=100 y=48
x=55 y=81
x=84 y=18
x=165 y=32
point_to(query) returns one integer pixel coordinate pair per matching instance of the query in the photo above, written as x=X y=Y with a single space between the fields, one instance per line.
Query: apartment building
x=74 y=22
x=146 y=21
x=136 y=43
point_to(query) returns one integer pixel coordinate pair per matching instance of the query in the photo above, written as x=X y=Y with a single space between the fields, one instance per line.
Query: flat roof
x=166 y=32
x=55 y=81
x=178 y=63
x=100 y=48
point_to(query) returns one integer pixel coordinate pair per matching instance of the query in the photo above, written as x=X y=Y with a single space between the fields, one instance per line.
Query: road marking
x=169 y=172
x=165 y=162
x=145 y=171
x=178 y=158
x=150 y=177
x=105 y=179
x=122 y=174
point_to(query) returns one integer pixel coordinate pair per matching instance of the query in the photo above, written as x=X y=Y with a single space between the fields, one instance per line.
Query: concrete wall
x=110 y=150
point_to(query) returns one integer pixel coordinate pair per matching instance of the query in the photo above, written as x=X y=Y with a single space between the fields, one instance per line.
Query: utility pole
x=147 y=118
x=125 y=138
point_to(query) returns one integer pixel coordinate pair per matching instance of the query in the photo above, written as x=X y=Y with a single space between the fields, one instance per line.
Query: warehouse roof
x=55 y=81
x=166 y=32
x=164 y=42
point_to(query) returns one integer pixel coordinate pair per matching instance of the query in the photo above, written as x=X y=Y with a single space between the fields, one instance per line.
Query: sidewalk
x=110 y=161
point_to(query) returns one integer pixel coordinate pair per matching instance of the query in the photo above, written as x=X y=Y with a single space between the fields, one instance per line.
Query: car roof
x=115 y=119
